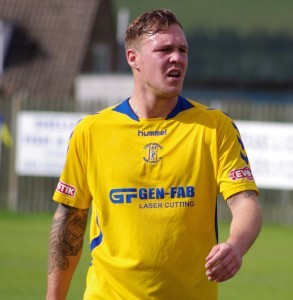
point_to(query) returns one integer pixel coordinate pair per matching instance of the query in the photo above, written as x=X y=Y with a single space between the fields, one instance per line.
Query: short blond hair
x=149 y=23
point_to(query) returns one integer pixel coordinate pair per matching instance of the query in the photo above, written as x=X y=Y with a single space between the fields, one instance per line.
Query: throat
x=157 y=110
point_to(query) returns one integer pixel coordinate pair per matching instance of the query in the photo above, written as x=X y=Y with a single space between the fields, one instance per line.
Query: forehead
x=174 y=35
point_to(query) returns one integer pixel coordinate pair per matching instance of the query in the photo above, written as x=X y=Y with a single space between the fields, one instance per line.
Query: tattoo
x=66 y=237
x=245 y=194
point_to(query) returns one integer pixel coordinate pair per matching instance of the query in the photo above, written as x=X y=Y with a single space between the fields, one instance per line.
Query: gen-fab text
x=127 y=195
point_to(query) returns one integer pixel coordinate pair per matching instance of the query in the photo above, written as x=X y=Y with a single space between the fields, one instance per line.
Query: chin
x=170 y=95
x=173 y=92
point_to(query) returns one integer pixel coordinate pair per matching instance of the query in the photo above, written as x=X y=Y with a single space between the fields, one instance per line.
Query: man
x=151 y=168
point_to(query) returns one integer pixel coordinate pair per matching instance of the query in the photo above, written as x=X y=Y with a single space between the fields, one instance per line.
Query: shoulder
x=96 y=119
x=209 y=115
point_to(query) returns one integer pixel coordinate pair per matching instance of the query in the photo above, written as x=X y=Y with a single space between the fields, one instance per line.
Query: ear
x=132 y=58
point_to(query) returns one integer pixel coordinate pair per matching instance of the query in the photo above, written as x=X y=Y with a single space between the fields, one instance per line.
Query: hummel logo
x=152 y=133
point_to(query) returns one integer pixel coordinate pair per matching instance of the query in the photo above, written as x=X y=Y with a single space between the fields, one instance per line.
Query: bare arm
x=66 y=240
x=225 y=259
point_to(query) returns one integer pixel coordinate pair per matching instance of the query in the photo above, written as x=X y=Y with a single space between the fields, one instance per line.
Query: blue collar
x=124 y=108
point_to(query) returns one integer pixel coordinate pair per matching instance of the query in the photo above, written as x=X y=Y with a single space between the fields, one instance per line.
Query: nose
x=177 y=56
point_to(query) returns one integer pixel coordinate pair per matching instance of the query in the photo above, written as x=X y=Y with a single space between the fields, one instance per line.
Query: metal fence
x=34 y=194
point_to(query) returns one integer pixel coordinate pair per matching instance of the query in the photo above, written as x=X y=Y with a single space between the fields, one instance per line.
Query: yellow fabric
x=5 y=135
x=153 y=185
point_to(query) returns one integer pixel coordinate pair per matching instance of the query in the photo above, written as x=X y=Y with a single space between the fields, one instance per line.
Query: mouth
x=174 y=74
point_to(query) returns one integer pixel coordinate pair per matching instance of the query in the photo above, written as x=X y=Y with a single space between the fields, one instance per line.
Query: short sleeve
x=234 y=171
x=72 y=188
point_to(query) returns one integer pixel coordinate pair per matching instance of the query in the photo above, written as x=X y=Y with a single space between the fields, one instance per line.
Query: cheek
x=186 y=61
x=151 y=69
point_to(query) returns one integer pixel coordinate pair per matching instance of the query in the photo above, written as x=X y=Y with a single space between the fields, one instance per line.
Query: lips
x=174 y=73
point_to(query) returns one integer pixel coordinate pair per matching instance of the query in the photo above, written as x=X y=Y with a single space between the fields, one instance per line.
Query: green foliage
x=232 y=41
x=244 y=17
x=226 y=56
x=266 y=272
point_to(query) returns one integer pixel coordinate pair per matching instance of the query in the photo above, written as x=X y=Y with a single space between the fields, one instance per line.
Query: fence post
x=12 y=176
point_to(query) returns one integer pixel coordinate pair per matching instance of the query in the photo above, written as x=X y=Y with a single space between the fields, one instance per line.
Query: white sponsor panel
x=269 y=147
x=42 y=140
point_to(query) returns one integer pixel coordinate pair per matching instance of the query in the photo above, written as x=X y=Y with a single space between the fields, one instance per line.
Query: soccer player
x=150 y=169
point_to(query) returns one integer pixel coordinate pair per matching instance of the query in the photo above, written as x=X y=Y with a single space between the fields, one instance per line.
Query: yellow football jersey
x=153 y=185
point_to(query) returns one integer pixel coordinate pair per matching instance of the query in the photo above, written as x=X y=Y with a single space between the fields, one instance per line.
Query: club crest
x=153 y=153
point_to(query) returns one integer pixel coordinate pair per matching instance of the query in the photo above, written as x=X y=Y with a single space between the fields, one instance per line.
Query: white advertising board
x=270 y=151
x=42 y=140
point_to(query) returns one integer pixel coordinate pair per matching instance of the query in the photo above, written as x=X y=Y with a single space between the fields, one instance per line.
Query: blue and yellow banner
x=5 y=135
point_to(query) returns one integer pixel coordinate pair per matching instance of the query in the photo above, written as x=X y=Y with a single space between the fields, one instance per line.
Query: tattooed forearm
x=245 y=194
x=66 y=238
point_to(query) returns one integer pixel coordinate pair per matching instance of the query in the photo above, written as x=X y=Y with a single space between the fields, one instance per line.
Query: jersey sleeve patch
x=241 y=173
x=65 y=189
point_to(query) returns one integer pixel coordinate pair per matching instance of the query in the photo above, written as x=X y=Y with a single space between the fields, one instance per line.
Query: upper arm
x=244 y=203
x=68 y=228
x=66 y=237
x=67 y=211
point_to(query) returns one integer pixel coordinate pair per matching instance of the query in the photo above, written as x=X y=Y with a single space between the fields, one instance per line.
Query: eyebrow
x=167 y=45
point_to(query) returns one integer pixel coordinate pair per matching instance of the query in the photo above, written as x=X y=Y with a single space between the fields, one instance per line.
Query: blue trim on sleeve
x=182 y=105
x=244 y=157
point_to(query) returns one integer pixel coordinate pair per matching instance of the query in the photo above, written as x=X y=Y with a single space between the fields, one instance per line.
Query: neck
x=158 y=108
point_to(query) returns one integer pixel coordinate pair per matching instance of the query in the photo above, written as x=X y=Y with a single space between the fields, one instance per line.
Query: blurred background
x=62 y=59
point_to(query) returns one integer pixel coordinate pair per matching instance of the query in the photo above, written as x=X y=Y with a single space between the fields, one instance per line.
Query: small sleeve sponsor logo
x=241 y=173
x=65 y=189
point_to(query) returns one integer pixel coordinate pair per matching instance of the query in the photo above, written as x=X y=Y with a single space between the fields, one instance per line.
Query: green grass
x=266 y=272
x=24 y=242
x=267 y=268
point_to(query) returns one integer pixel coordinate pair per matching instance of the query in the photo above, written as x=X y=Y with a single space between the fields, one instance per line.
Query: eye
x=183 y=50
x=165 y=50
